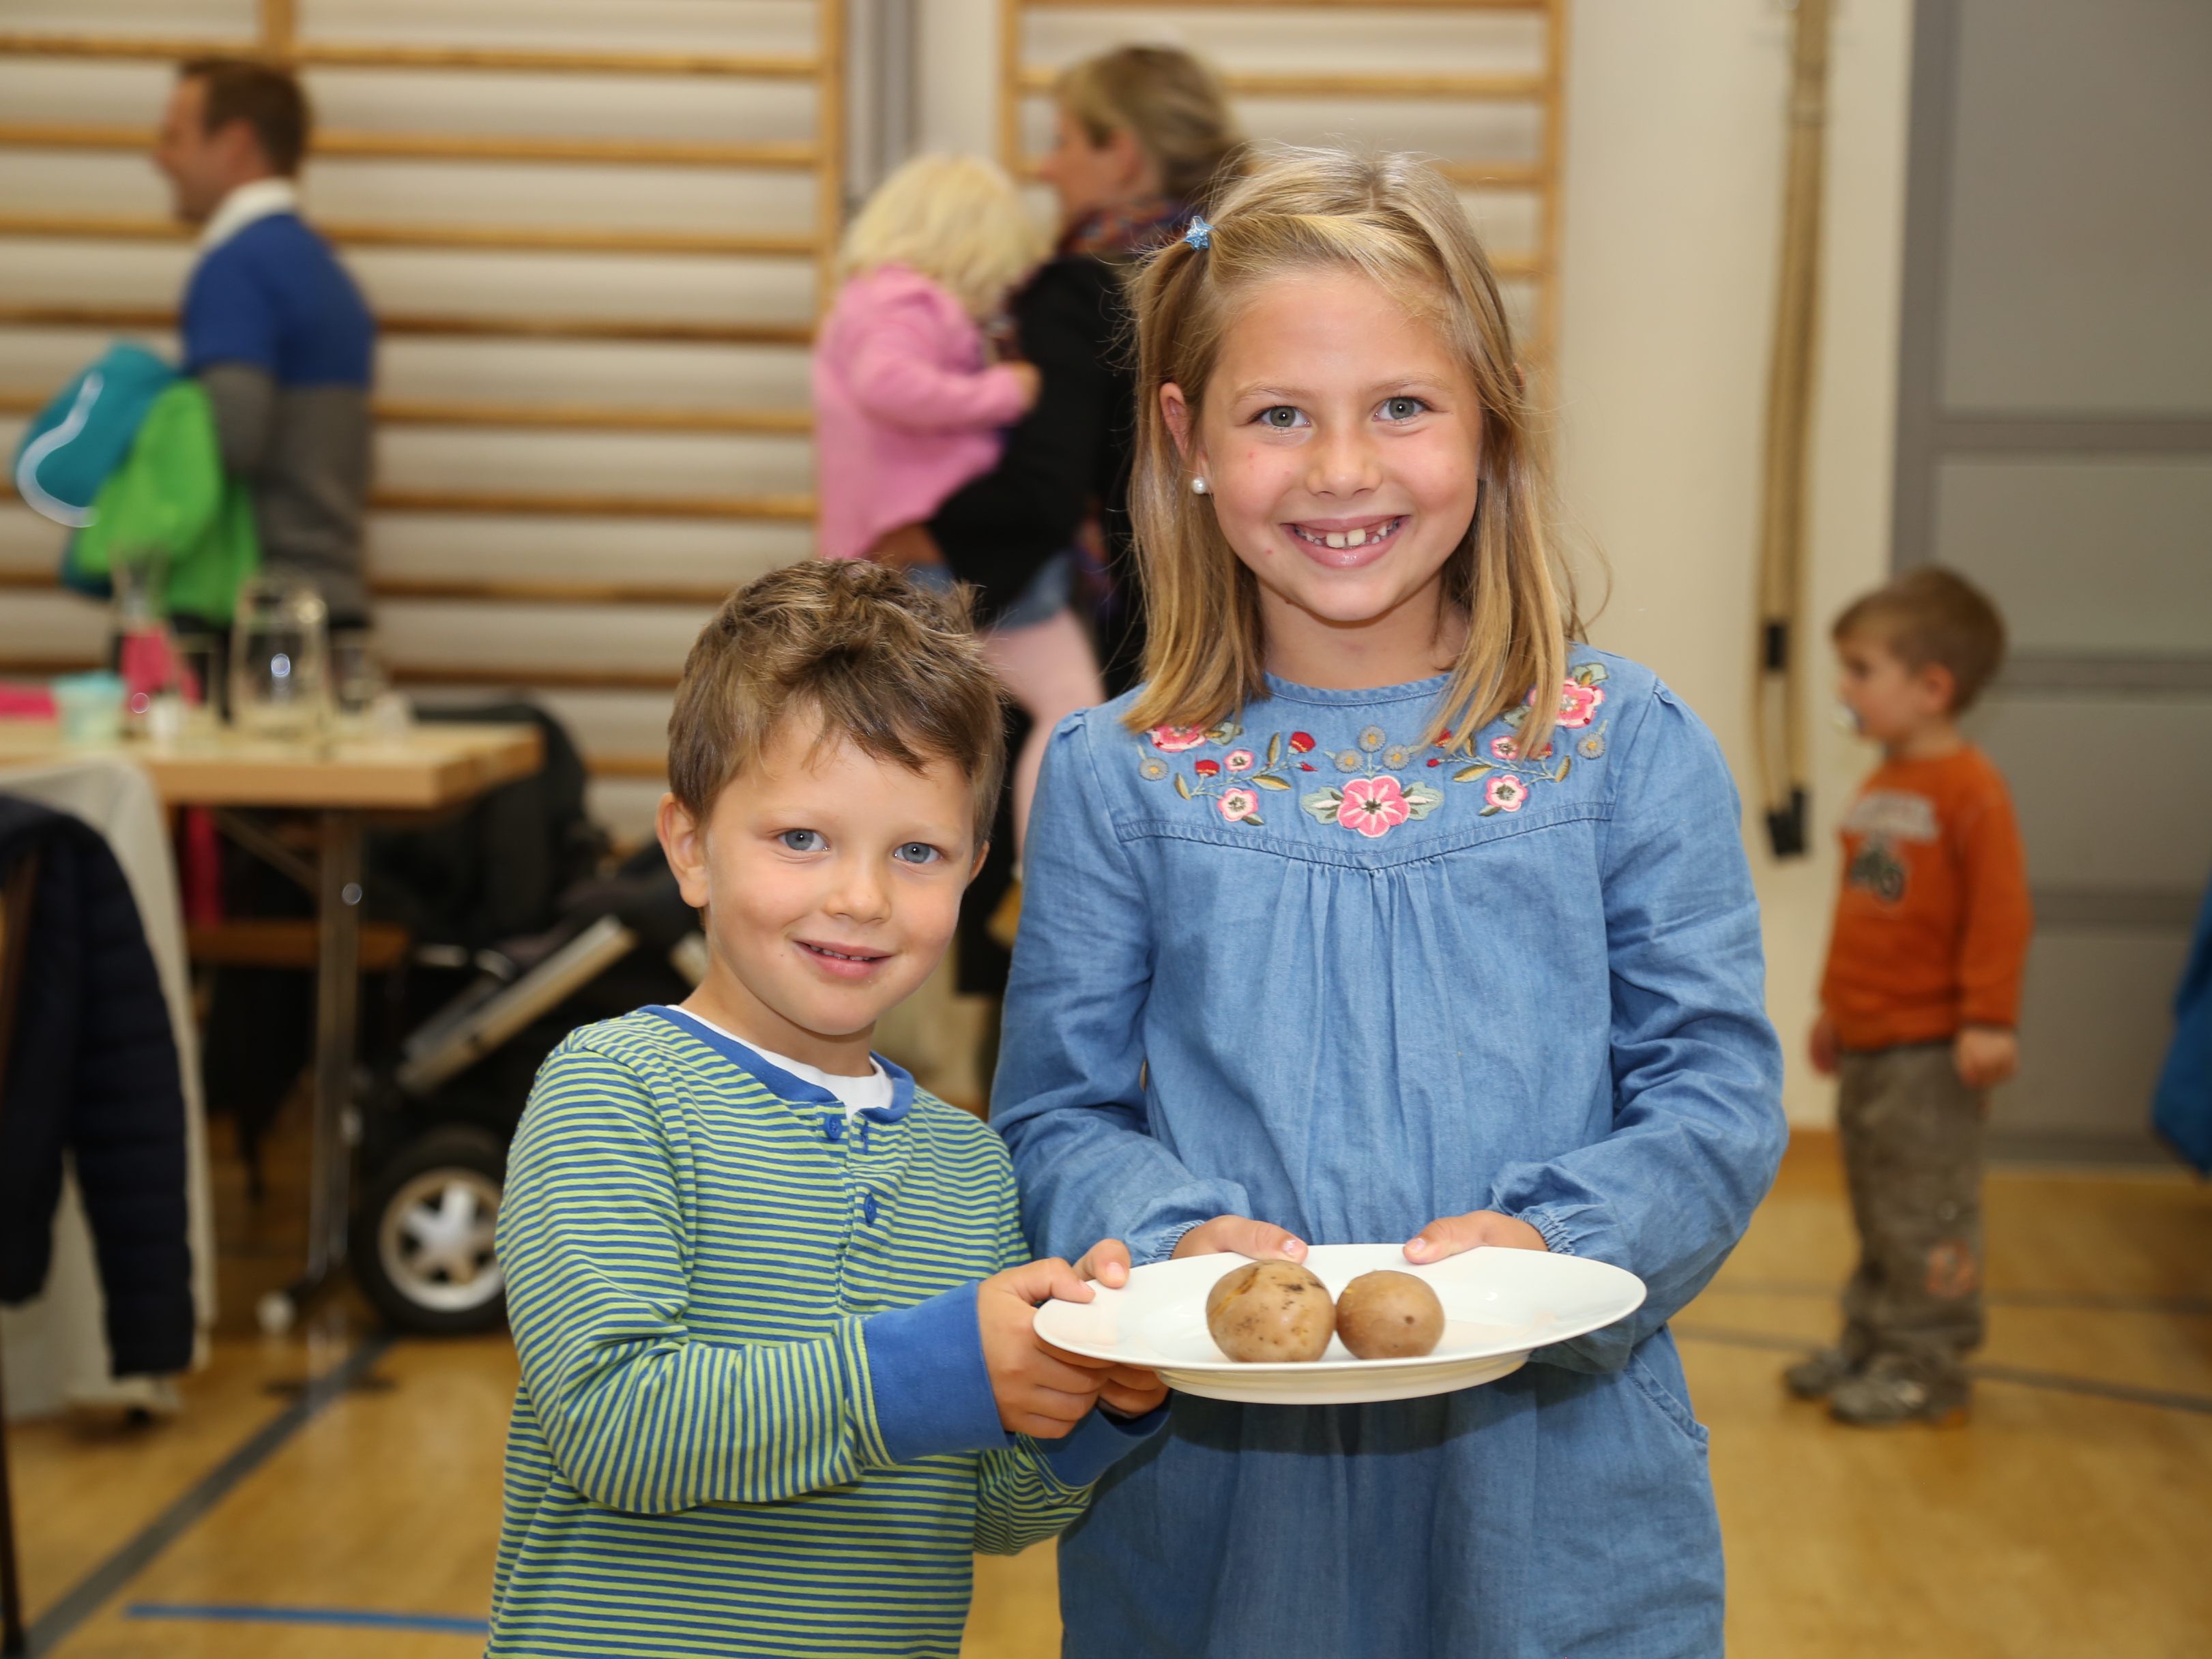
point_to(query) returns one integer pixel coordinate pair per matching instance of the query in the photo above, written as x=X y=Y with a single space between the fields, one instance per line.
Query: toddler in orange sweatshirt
x=1920 y=998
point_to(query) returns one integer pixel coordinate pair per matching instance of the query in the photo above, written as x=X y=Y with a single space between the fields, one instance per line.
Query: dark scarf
x=1127 y=230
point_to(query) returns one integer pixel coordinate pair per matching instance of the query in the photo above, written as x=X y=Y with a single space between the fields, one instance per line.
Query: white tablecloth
x=55 y=1348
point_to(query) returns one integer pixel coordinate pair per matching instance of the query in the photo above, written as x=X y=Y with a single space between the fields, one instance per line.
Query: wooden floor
x=2073 y=1516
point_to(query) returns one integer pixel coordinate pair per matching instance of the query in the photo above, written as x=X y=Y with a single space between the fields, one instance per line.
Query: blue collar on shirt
x=796 y=1089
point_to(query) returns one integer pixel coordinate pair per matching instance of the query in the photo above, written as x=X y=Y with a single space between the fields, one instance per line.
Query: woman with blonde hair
x=907 y=405
x=1385 y=911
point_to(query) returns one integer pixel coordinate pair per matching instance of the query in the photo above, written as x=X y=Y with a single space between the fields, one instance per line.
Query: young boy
x=1919 y=1000
x=766 y=1406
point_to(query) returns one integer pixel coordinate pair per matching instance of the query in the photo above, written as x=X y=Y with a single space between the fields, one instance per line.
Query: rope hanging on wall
x=1778 y=703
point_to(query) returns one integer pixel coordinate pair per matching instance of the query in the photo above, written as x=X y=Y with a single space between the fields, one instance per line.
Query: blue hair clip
x=1200 y=233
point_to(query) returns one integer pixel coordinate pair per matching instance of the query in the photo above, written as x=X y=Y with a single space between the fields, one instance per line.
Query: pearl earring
x=1198 y=486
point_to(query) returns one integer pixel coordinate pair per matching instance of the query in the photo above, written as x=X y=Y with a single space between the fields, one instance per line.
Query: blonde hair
x=956 y=219
x=855 y=648
x=1171 y=103
x=1392 y=218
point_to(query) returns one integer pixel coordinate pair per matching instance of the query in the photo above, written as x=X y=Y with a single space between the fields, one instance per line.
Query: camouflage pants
x=1911 y=1136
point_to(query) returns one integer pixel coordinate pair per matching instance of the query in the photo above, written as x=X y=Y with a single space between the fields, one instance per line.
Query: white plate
x=1498 y=1305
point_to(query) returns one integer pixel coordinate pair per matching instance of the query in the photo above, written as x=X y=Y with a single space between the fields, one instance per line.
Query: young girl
x=907 y=405
x=1338 y=931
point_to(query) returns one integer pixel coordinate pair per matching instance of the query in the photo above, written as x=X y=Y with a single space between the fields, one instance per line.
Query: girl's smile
x=1346 y=545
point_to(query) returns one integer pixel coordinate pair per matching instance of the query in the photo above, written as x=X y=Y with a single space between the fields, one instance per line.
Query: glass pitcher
x=280 y=660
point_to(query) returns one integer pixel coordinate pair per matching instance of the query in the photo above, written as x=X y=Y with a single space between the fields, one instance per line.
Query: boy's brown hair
x=880 y=662
x=267 y=99
x=1933 y=616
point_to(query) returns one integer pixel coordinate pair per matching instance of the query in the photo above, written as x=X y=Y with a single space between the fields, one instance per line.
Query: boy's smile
x=831 y=882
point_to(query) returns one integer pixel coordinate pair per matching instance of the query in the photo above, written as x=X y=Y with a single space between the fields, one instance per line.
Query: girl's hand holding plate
x=1239 y=1235
x=1451 y=1235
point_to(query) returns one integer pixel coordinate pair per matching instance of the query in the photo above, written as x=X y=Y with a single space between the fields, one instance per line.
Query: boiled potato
x=1270 y=1310
x=1389 y=1315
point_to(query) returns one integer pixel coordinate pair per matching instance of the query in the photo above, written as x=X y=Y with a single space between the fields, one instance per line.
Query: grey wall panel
x=2080 y=244
x=2111 y=791
x=2115 y=989
x=2094 y=556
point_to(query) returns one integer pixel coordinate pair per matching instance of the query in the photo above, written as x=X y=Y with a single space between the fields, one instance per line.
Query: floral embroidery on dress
x=1580 y=696
x=1505 y=793
x=1509 y=749
x=1578 y=704
x=1236 y=794
x=1174 y=739
x=1375 y=803
x=1373 y=800
x=1373 y=806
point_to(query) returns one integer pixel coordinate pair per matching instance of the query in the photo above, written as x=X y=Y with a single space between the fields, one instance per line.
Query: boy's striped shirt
x=753 y=1418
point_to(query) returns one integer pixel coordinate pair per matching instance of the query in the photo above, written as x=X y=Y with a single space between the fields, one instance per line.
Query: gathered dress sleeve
x=1070 y=1097
x=1698 y=1130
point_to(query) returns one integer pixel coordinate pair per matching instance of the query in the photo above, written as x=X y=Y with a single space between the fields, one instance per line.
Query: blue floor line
x=225 y=1612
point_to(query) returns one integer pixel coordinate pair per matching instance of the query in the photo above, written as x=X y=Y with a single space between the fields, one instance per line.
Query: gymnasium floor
x=335 y=1496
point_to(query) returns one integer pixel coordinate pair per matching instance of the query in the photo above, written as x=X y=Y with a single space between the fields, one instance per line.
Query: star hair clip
x=1200 y=233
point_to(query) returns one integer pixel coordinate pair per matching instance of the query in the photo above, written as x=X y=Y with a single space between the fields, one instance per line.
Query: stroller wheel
x=422 y=1238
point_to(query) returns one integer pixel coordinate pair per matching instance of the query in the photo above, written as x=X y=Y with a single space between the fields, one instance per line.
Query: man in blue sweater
x=273 y=326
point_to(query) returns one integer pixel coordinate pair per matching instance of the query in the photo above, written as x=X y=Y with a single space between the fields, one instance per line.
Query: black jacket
x=1068 y=455
x=93 y=1073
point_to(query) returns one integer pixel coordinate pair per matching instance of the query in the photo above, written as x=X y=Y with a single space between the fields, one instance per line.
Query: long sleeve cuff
x=1153 y=1232
x=1578 y=1225
x=1158 y=1244
x=933 y=1391
x=1097 y=1445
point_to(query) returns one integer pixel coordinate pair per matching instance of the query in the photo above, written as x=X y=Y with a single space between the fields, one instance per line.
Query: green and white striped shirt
x=754 y=1417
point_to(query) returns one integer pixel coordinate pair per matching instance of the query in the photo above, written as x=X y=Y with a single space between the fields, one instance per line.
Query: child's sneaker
x=1887 y=1393
x=1819 y=1375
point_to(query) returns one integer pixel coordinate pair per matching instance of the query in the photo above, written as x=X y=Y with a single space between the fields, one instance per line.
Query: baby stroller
x=440 y=1114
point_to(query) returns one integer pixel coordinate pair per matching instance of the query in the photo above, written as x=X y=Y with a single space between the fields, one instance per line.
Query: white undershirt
x=261 y=199
x=859 y=1094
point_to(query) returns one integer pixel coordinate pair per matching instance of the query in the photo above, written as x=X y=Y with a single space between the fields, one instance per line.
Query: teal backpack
x=82 y=436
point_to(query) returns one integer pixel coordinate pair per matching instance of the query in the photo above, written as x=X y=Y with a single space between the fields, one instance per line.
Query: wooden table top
x=433 y=765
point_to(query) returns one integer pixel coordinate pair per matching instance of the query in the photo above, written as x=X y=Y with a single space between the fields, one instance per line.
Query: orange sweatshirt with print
x=1932 y=926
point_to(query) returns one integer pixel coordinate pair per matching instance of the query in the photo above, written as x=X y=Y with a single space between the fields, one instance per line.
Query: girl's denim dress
x=1306 y=968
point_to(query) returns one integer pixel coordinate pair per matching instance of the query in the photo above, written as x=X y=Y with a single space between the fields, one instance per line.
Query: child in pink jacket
x=907 y=404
